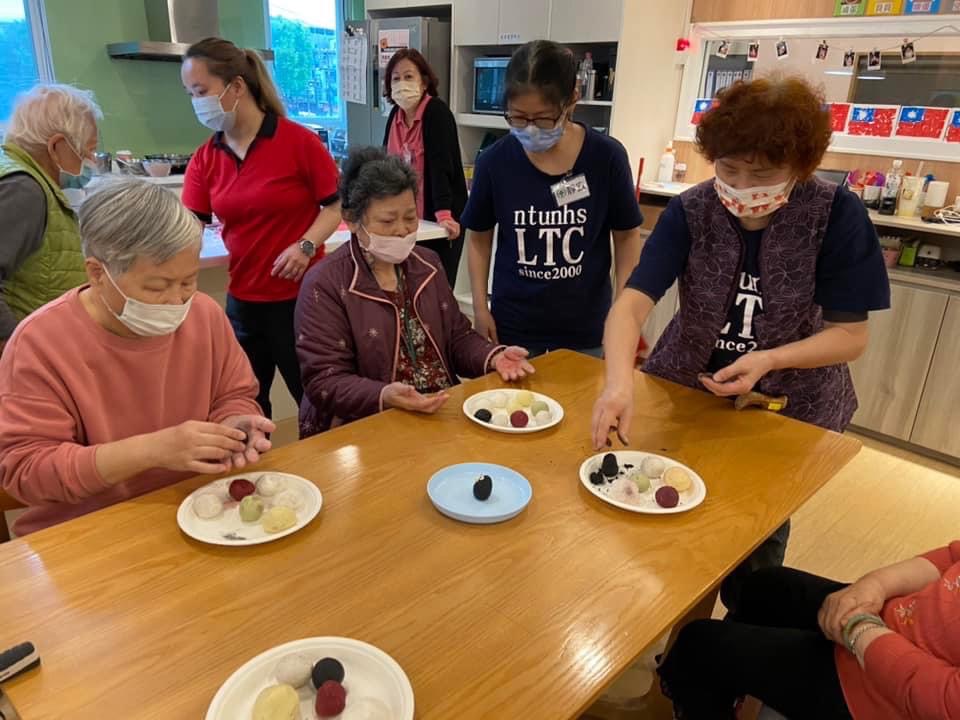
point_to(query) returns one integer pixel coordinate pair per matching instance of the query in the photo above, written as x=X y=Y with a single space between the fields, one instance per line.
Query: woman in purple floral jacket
x=377 y=324
x=778 y=272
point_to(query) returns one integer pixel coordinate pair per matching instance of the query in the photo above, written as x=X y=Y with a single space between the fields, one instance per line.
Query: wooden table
x=528 y=619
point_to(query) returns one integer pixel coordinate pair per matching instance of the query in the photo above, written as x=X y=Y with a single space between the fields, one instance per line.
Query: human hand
x=451 y=226
x=291 y=264
x=512 y=364
x=740 y=377
x=484 y=324
x=195 y=446
x=256 y=428
x=612 y=411
x=864 y=596
x=405 y=397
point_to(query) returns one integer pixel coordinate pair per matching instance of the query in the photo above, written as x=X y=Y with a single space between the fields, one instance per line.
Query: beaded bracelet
x=856 y=620
x=862 y=629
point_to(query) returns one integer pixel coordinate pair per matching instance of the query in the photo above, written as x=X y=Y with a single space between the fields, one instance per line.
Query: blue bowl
x=451 y=492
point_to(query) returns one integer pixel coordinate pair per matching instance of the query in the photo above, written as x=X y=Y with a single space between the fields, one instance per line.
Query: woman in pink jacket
x=377 y=324
x=886 y=647
x=131 y=382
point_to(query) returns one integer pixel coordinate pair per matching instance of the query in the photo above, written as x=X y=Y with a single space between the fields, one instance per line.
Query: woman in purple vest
x=778 y=271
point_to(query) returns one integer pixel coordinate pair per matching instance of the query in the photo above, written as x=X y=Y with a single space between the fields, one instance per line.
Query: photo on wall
x=921 y=7
x=874 y=61
x=907 y=52
x=850 y=8
x=849 y=59
x=753 y=52
x=884 y=7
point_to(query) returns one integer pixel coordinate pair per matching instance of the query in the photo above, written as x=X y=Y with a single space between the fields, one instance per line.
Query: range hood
x=172 y=26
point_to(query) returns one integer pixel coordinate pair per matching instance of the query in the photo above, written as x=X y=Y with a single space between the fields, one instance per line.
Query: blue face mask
x=69 y=181
x=535 y=140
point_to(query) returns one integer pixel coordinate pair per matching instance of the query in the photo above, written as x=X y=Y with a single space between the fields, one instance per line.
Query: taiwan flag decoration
x=921 y=122
x=872 y=120
x=921 y=7
x=839 y=112
x=953 y=127
x=699 y=108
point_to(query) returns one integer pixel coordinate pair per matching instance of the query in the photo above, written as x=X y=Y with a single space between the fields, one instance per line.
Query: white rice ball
x=653 y=467
x=500 y=419
x=270 y=485
x=207 y=506
x=544 y=417
x=483 y=404
x=499 y=400
x=294 y=670
x=292 y=499
x=625 y=490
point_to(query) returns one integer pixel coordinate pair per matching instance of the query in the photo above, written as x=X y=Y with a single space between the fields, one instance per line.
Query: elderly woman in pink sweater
x=129 y=383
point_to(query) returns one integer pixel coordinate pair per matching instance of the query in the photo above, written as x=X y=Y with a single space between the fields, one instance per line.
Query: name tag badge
x=570 y=190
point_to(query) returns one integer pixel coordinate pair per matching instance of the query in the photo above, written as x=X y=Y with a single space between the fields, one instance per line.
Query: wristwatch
x=308 y=248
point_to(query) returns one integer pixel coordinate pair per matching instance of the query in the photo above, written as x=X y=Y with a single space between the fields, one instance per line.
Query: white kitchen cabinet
x=889 y=377
x=938 y=421
x=475 y=23
x=523 y=21
x=577 y=21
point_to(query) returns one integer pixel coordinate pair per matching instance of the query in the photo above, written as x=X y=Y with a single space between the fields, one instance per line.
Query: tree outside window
x=305 y=40
x=18 y=65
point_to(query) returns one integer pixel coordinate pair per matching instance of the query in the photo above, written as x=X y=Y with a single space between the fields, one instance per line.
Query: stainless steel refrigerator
x=367 y=122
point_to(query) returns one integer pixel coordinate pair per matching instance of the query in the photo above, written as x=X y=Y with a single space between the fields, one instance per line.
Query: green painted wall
x=145 y=107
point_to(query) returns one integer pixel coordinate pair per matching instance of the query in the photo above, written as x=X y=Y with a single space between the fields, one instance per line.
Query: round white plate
x=688 y=499
x=556 y=410
x=228 y=529
x=376 y=685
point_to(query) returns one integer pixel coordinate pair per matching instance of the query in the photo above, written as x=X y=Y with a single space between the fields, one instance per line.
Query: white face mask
x=407 y=93
x=392 y=249
x=754 y=202
x=211 y=114
x=145 y=319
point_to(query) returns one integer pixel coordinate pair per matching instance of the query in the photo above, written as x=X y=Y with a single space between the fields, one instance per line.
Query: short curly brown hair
x=781 y=120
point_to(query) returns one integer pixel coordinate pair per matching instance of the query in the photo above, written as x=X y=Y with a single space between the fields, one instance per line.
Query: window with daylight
x=25 y=57
x=305 y=38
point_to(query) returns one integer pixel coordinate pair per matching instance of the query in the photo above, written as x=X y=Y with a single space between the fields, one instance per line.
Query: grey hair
x=48 y=109
x=370 y=174
x=128 y=218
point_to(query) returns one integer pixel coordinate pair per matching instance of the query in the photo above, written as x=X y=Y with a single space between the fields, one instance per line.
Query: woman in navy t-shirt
x=555 y=190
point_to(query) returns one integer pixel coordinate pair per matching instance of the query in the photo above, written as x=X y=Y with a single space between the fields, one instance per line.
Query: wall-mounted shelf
x=479 y=120
x=915 y=224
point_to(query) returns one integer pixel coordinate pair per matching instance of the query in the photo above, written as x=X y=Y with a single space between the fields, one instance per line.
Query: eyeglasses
x=544 y=123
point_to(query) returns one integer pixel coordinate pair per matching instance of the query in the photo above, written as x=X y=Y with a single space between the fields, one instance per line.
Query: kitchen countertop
x=948 y=280
x=214 y=254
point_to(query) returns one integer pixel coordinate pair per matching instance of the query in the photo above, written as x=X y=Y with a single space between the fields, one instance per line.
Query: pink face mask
x=754 y=202
x=393 y=249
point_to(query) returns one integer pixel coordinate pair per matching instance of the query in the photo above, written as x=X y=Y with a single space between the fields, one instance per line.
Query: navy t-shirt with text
x=851 y=277
x=551 y=270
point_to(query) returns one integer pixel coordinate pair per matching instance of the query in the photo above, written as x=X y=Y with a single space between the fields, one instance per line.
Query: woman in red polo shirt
x=273 y=185
x=422 y=131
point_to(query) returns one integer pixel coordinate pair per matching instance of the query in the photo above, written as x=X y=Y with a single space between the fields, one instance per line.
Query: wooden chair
x=6 y=503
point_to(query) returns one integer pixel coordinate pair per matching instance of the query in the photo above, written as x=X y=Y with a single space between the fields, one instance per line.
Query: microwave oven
x=489 y=76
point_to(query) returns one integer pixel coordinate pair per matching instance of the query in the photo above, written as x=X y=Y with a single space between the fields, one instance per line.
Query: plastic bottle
x=667 y=163
x=891 y=189
x=586 y=67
